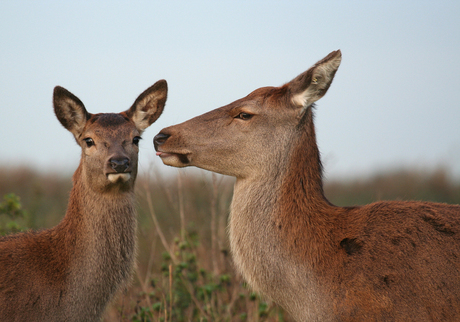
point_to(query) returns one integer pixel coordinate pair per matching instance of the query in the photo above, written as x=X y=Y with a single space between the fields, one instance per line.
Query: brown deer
x=72 y=271
x=387 y=261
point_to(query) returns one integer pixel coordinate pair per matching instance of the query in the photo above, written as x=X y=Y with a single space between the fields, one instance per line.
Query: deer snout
x=171 y=149
x=120 y=165
x=159 y=139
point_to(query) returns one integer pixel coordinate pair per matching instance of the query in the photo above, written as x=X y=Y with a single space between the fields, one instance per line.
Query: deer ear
x=149 y=105
x=311 y=85
x=69 y=110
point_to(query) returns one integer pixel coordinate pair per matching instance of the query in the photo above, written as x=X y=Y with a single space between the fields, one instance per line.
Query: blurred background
x=394 y=101
x=387 y=128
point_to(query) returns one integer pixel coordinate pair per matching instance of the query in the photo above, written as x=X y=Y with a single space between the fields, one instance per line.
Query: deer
x=385 y=261
x=72 y=272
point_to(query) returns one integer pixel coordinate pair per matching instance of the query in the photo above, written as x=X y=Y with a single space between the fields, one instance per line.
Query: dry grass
x=184 y=270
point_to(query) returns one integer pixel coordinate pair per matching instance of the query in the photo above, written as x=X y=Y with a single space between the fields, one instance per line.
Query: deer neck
x=100 y=229
x=99 y=217
x=282 y=211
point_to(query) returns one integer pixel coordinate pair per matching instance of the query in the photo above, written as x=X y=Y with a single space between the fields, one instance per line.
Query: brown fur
x=72 y=271
x=387 y=261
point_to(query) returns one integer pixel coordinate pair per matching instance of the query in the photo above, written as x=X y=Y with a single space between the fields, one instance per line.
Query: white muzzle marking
x=114 y=177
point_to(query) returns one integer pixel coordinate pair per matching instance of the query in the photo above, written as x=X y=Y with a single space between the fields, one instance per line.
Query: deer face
x=239 y=139
x=109 y=142
x=110 y=149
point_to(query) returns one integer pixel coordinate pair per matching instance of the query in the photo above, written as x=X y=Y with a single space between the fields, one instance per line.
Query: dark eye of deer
x=244 y=116
x=89 y=142
x=136 y=140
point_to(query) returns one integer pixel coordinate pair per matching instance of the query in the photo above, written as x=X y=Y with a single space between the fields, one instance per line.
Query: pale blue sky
x=395 y=100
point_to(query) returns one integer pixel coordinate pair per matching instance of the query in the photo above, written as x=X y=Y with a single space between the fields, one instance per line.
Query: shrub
x=13 y=218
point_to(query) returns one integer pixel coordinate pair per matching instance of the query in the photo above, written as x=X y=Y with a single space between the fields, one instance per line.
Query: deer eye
x=244 y=116
x=136 y=140
x=89 y=142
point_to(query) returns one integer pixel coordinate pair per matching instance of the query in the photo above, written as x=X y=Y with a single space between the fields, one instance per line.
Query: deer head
x=250 y=135
x=109 y=141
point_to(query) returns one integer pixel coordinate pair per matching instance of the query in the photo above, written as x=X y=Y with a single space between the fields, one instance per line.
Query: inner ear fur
x=148 y=107
x=311 y=85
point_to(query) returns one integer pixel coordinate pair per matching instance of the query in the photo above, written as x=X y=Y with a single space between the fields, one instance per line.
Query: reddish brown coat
x=72 y=271
x=387 y=261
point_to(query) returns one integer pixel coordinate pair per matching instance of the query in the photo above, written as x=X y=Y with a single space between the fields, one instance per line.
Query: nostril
x=119 y=164
x=159 y=139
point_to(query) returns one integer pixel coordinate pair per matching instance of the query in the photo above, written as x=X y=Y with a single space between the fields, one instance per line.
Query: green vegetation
x=184 y=270
x=13 y=218
x=185 y=291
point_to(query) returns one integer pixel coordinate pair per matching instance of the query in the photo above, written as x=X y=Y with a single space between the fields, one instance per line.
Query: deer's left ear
x=149 y=105
x=311 y=85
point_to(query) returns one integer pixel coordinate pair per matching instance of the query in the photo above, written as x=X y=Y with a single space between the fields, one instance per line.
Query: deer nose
x=159 y=139
x=119 y=164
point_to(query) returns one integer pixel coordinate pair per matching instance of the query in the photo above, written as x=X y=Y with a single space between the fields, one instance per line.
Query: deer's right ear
x=311 y=85
x=69 y=110
x=149 y=105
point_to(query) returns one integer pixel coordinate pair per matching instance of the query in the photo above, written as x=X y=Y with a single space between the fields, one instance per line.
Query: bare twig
x=150 y=263
x=143 y=285
x=181 y=205
x=170 y=292
x=214 y=253
x=157 y=226
x=194 y=299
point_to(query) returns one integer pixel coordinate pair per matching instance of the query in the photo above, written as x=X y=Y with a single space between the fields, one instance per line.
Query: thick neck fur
x=70 y=272
x=274 y=223
x=302 y=211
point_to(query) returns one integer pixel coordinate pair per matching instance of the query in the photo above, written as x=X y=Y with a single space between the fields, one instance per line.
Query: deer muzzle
x=121 y=166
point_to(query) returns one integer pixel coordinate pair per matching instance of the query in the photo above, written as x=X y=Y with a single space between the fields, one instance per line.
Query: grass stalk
x=157 y=226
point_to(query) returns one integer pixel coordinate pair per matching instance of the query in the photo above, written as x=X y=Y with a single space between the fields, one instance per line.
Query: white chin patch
x=123 y=177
